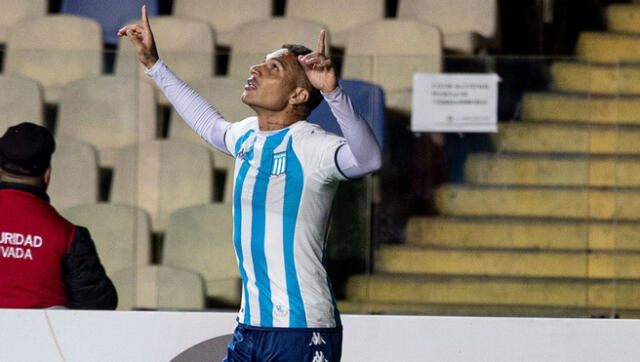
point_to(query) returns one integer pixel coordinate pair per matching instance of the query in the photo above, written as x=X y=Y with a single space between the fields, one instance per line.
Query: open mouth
x=251 y=83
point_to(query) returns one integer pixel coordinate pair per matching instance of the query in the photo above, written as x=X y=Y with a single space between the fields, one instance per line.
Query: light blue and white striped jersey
x=284 y=184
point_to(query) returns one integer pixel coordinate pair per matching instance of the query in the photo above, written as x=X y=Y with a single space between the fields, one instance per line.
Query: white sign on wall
x=455 y=103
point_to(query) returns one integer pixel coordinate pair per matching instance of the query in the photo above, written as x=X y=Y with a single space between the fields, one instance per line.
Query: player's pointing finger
x=145 y=18
x=320 y=46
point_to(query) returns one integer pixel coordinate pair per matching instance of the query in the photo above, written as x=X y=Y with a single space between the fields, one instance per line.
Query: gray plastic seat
x=339 y=16
x=159 y=287
x=74 y=177
x=109 y=113
x=55 y=50
x=201 y=238
x=161 y=177
x=121 y=233
x=14 y=12
x=21 y=101
x=247 y=49
x=223 y=15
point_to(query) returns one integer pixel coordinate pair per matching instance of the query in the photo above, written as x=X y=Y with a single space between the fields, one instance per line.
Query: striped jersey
x=284 y=184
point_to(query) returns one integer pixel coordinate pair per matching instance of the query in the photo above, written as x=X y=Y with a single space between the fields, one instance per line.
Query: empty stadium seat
x=466 y=25
x=13 y=12
x=121 y=233
x=74 y=174
x=224 y=94
x=21 y=101
x=389 y=52
x=159 y=287
x=111 y=14
x=162 y=176
x=108 y=113
x=186 y=46
x=248 y=49
x=55 y=50
x=201 y=238
x=337 y=15
x=223 y=15
x=367 y=99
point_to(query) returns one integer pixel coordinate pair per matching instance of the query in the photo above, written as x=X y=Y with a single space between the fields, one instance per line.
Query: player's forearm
x=361 y=154
x=195 y=110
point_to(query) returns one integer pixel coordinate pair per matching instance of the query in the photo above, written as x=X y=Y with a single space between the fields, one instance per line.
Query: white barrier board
x=59 y=335
x=454 y=102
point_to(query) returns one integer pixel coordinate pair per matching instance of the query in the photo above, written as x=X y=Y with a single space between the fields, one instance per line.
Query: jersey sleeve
x=319 y=150
x=236 y=131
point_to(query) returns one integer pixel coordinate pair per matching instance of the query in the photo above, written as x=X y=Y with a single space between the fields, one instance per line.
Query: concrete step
x=571 y=203
x=507 y=262
x=544 y=137
x=608 y=47
x=520 y=233
x=623 y=18
x=543 y=170
x=548 y=292
x=483 y=310
x=608 y=79
x=577 y=108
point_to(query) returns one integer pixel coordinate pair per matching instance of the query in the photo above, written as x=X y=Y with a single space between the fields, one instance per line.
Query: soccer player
x=286 y=174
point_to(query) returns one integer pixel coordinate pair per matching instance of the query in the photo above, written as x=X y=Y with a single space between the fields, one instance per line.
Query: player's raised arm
x=142 y=38
x=318 y=67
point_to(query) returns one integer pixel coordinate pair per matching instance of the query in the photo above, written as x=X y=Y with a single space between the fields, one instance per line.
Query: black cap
x=26 y=149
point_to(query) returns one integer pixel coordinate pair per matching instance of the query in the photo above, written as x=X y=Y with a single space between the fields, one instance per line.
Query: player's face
x=272 y=82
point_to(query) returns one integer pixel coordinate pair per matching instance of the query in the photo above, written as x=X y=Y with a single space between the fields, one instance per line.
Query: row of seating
x=463 y=22
x=197 y=256
x=57 y=50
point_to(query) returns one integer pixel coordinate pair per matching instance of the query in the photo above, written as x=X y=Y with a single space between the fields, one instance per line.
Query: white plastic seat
x=74 y=178
x=339 y=16
x=187 y=47
x=389 y=52
x=467 y=25
x=55 y=50
x=161 y=177
x=159 y=287
x=201 y=238
x=13 y=12
x=21 y=101
x=248 y=49
x=108 y=113
x=121 y=233
x=223 y=15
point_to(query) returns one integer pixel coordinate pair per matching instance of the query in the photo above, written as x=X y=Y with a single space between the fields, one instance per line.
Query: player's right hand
x=142 y=38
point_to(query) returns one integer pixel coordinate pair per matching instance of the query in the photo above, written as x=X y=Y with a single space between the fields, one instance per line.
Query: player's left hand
x=318 y=67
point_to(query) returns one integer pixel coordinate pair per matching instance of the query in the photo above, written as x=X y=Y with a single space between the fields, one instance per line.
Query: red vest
x=33 y=241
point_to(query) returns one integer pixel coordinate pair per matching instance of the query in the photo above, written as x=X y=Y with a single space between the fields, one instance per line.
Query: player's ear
x=299 y=95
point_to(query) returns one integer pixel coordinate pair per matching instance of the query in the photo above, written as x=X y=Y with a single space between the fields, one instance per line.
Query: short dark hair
x=26 y=149
x=314 y=94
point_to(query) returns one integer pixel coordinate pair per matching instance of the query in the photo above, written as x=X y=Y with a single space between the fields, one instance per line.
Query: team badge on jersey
x=279 y=163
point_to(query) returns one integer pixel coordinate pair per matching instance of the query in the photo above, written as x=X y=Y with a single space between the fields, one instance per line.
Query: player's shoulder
x=308 y=130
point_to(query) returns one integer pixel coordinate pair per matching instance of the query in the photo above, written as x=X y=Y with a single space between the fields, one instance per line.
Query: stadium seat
x=367 y=99
x=186 y=46
x=111 y=14
x=55 y=50
x=389 y=52
x=14 y=12
x=74 y=178
x=466 y=25
x=224 y=94
x=108 y=113
x=21 y=101
x=223 y=15
x=121 y=233
x=248 y=49
x=159 y=287
x=201 y=238
x=338 y=17
x=161 y=177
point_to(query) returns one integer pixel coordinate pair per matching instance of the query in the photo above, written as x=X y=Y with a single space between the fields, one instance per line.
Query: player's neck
x=273 y=121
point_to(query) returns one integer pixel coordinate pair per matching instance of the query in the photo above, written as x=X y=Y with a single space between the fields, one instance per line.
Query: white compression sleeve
x=361 y=155
x=195 y=110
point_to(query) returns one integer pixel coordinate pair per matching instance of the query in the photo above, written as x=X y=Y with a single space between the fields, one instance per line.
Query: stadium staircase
x=549 y=225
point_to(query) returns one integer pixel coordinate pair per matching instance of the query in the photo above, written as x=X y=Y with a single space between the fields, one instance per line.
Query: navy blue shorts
x=258 y=344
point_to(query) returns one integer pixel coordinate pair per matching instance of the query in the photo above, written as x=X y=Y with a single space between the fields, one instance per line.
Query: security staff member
x=45 y=261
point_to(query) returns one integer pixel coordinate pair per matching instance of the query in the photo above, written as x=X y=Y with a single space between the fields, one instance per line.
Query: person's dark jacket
x=69 y=274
